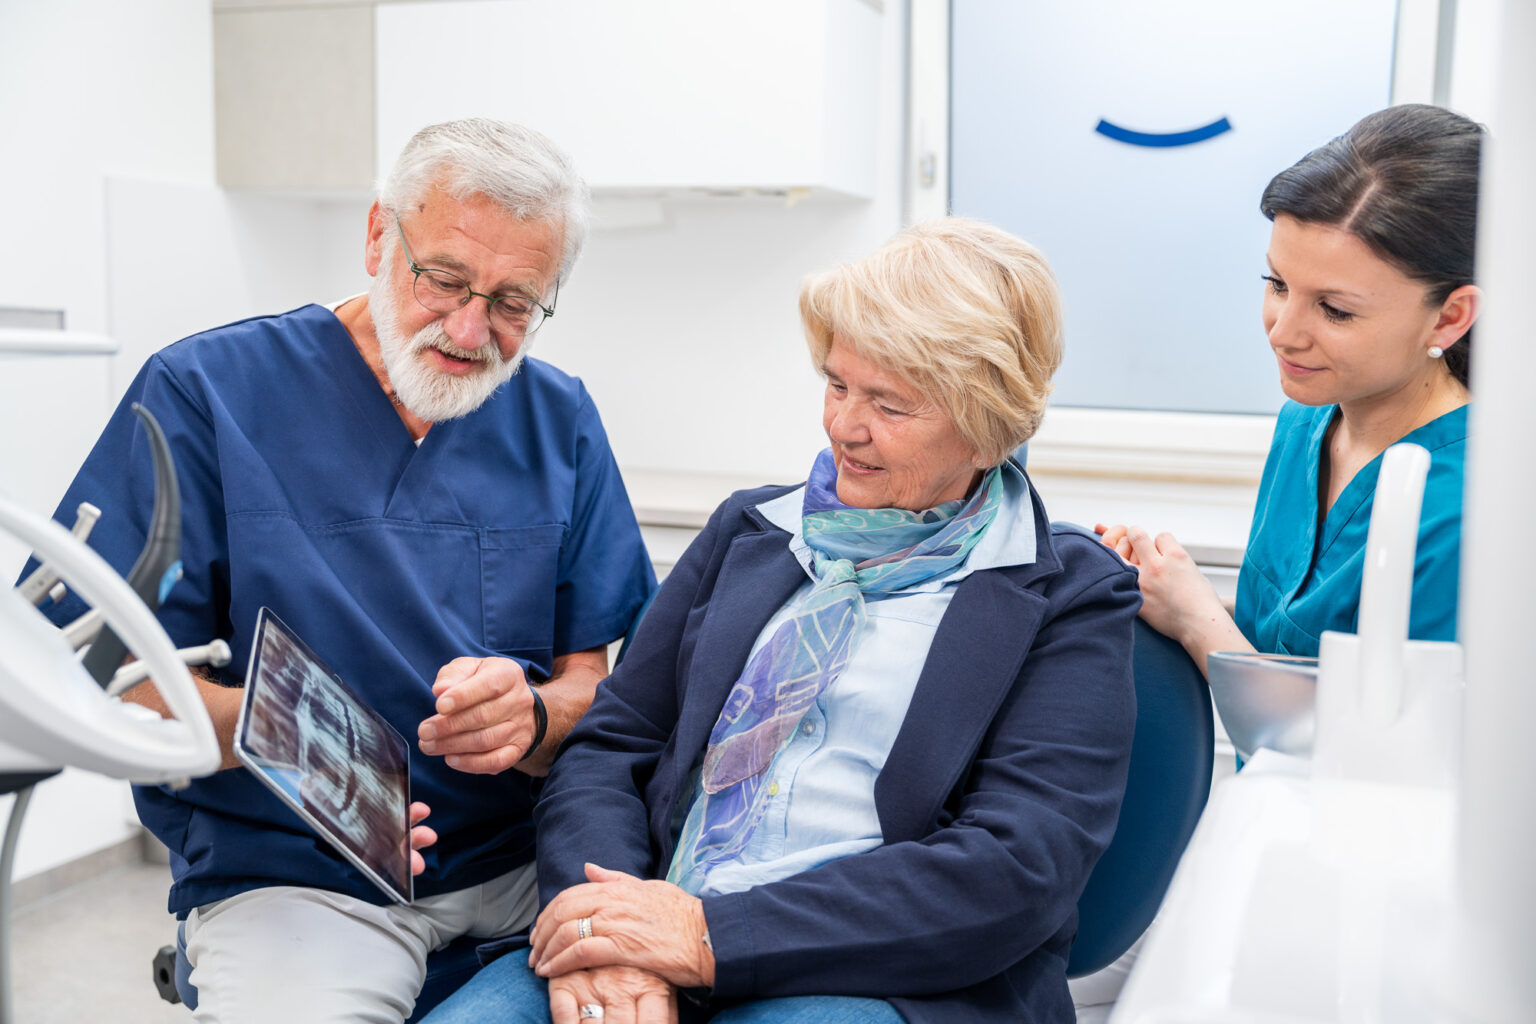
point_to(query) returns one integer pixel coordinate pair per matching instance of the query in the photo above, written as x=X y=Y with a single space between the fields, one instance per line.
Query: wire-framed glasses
x=513 y=315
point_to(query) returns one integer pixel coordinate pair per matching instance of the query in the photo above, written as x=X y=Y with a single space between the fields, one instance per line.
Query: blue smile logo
x=1163 y=139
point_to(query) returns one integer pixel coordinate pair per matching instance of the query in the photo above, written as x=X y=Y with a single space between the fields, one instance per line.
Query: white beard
x=426 y=392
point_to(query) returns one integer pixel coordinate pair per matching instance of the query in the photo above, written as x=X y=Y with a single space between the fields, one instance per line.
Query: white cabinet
x=649 y=97
x=653 y=97
x=293 y=95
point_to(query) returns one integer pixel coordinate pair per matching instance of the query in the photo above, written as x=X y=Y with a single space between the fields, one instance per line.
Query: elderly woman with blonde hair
x=872 y=736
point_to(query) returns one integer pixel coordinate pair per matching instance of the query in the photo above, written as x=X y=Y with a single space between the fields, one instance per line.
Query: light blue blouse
x=821 y=794
x=1299 y=579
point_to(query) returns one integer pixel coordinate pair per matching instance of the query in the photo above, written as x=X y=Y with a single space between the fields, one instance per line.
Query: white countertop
x=29 y=341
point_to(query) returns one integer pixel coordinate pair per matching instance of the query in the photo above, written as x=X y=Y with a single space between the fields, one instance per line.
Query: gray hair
x=515 y=167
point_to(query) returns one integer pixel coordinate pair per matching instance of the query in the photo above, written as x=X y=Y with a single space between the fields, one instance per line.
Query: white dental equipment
x=1319 y=889
x=58 y=710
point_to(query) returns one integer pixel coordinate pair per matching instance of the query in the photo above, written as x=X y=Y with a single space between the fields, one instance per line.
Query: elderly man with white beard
x=439 y=517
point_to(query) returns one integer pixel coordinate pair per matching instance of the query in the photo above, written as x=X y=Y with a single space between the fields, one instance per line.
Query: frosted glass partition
x=1131 y=141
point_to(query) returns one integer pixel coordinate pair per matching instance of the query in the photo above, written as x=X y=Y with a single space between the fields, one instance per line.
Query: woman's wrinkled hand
x=627 y=996
x=651 y=925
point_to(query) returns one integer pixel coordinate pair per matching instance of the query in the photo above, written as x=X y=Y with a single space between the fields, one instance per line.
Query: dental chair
x=1170 y=778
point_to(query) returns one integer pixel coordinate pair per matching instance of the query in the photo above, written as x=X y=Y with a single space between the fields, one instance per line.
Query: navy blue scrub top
x=1297 y=581
x=506 y=532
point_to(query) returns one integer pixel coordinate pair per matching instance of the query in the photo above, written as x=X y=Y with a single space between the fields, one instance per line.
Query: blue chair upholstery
x=1170 y=778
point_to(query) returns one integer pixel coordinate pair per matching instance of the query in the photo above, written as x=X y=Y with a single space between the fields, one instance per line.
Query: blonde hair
x=966 y=312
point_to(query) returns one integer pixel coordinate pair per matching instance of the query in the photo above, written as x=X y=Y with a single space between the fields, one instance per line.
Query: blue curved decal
x=1189 y=138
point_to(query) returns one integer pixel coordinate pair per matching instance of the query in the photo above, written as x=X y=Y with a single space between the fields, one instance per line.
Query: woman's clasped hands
x=621 y=939
x=618 y=920
x=612 y=995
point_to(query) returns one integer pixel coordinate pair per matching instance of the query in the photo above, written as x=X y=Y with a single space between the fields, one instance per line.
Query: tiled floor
x=83 y=955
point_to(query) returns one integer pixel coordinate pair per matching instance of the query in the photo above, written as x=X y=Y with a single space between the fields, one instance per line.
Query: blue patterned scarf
x=879 y=550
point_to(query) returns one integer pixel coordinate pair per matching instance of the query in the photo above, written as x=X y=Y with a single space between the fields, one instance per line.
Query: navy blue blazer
x=999 y=795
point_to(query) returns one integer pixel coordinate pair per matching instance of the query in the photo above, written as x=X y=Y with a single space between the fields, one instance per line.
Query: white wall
x=88 y=89
x=1473 y=64
x=685 y=328
x=1467 y=84
x=114 y=218
x=688 y=333
x=249 y=253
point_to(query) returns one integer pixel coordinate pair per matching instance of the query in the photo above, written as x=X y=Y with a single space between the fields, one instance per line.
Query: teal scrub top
x=1299 y=579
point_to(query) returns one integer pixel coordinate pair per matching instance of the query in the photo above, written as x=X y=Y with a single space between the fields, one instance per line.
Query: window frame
x=1131 y=445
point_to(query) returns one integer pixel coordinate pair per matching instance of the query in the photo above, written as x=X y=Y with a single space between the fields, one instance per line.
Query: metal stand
x=7 y=858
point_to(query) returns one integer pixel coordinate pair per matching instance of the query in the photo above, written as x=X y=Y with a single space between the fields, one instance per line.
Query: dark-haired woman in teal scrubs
x=1368 y=305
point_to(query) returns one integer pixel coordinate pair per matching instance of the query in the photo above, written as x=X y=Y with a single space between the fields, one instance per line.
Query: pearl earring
x=1435 y=351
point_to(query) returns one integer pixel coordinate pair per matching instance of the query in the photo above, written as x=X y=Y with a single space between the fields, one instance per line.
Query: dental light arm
x=215 y=653
x=44 y=581
x=53 y=711
x=159 y=563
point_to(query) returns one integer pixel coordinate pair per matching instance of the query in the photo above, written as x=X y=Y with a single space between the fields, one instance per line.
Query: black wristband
x=540 y=722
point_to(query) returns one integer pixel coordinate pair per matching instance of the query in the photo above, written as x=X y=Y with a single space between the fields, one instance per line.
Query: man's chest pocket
x=519 y=571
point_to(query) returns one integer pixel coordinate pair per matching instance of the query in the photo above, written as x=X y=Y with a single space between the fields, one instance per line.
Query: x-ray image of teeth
x=329 y=754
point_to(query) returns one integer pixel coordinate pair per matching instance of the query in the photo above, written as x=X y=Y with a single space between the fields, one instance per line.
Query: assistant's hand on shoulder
x=1172 y=585
x=1176 y=598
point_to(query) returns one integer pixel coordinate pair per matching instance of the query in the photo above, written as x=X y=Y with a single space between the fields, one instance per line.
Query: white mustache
x=433 y=336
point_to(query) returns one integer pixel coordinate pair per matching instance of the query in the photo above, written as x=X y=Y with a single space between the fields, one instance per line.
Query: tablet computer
x=342 y=768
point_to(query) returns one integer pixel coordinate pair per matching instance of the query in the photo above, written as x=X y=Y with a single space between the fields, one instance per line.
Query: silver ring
x=589 y=1011
x=584 y=931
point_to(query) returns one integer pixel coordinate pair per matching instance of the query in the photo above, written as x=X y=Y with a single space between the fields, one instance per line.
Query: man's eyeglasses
x=511 y=315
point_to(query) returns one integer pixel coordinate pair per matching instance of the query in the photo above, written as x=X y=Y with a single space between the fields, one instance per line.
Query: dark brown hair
x=1404 y=182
